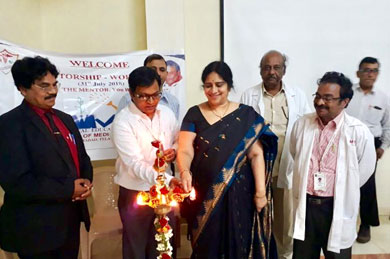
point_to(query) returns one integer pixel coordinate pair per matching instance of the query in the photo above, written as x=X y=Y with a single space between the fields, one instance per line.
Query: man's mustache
x=320 y=107
x=272 y=76
x=50 y=96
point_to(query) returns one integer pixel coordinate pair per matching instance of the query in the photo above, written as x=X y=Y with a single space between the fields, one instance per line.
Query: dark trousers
x=319 y=215
x=138 y=238
x=368 y=202
x=70 y=249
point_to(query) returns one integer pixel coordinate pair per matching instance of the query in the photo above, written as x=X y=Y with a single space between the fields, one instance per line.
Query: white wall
x=190 y=25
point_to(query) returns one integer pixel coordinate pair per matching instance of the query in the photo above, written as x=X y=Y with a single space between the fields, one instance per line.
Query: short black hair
x=143 y=77
x=369 y=60
x=25 y=71
x=340 y=79
x=222 y=69
x=152 y=57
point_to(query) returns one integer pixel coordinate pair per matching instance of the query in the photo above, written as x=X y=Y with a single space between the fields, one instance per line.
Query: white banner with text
x=91 y=88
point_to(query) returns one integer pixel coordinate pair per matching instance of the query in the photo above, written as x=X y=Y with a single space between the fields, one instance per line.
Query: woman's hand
x=260 y=202
x=186 y=180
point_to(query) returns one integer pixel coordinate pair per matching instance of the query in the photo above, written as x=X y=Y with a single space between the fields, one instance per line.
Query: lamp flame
x=173 y=203
x=142 y=197
x=163 y=199
x=192 y=194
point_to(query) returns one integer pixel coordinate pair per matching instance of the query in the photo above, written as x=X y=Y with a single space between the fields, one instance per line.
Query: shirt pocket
x=374 y=115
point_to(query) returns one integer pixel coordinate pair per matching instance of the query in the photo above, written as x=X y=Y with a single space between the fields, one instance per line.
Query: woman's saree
x=223 y=222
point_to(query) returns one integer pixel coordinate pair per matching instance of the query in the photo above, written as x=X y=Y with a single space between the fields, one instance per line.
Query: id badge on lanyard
x=319 y=177
x=319 y=181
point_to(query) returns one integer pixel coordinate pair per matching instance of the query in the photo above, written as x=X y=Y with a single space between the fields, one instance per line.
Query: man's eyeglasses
x=325 y=98
x=149 y=97
x=369 y=70
x=47 y=87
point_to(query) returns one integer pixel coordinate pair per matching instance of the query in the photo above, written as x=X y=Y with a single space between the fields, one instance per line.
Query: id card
x=319 y=182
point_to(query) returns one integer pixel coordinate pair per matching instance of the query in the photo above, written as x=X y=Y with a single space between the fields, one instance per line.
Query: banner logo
x=7 y=59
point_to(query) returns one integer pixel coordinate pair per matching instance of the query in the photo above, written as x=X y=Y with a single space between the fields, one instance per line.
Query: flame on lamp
x=192 y=194
x=173 y=203
x=163 y=199
x=142 y=198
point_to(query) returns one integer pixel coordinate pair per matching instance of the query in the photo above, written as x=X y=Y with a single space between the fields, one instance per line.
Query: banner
x=91 y=88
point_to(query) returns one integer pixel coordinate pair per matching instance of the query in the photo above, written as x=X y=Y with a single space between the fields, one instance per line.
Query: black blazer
x=38 y=181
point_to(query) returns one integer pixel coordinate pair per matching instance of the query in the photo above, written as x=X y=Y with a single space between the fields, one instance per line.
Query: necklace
x=224 y=113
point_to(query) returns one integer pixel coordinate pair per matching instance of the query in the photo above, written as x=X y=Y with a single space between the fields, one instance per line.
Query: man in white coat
x=281 y=106
x=334 y=156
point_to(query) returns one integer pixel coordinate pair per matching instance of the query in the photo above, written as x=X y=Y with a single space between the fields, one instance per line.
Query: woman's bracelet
x=259 y=197
x=182 y=171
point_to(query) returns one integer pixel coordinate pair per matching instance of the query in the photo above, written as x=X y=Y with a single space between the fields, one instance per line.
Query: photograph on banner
x=92 y=86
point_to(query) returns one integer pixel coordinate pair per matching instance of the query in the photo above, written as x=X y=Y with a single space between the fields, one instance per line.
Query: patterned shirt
x=326 y=140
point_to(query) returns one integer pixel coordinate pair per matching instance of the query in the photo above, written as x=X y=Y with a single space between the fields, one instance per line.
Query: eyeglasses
x=217 y=84
x=369 y=70
x=325 y=98
x=267 y=68
x=149 y=97
x=47 y=87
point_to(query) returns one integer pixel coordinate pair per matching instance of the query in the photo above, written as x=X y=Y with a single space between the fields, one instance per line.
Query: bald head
x=272 y=70
x=274 y=53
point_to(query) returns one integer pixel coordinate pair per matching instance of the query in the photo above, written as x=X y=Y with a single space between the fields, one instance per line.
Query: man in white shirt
x=158 y=63
x=334 y=156
x=134 y=128
x=372 y=108
x=281 y=106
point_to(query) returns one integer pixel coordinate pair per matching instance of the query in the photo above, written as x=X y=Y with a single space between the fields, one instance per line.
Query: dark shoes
x=364 y=234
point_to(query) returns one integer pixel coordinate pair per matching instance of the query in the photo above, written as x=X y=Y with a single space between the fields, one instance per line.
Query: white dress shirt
x=133 y=132
x=372 y=109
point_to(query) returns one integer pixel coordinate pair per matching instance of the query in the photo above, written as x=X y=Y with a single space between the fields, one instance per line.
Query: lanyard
x=330 y=143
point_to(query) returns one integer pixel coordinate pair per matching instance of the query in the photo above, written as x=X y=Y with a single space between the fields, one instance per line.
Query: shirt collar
x=359 y=89
x=134 y=109
x=333 y=123
x=282 y=90
x=41 y=112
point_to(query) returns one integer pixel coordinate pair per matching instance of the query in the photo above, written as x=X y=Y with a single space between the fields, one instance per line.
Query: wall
x=72 y=26
x=20 y=22
x=99 y=26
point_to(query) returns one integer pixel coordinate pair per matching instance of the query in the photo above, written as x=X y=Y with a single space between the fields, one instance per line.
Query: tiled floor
x=380 y=241
x=377 y=248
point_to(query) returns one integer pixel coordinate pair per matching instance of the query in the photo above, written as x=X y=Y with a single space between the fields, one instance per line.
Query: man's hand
x=82 y=189
x=379 y=153
x=170 y=155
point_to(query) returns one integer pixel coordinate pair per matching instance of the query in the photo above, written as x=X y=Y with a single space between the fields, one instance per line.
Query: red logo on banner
x=7 y=59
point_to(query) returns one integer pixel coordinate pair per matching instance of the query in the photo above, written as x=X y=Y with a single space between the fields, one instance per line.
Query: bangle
x=259 y=197
x=182 y=171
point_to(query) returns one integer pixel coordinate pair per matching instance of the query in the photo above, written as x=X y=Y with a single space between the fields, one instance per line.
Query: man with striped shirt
x=334 y=156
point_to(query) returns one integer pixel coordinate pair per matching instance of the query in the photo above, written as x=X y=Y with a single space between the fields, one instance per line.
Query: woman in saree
x=226 y=153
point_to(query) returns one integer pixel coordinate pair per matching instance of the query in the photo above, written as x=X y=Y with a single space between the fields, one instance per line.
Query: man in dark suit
x=44 y=169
